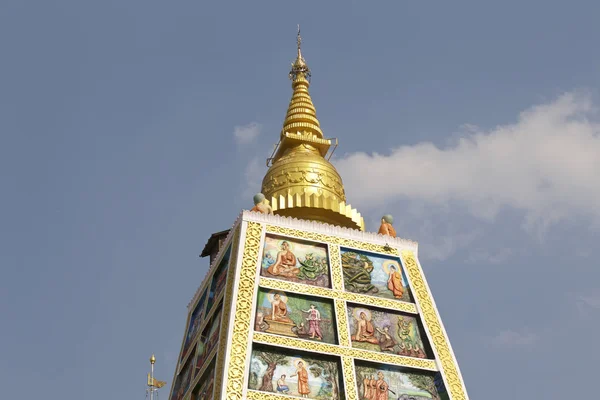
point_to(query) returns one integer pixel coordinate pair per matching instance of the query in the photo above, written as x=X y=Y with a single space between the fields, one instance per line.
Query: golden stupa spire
x=301 y=182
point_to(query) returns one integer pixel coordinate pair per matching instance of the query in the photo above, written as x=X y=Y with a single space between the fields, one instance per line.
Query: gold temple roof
x=301 y=182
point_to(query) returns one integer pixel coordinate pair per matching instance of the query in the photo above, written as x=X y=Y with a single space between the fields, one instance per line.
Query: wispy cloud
x=253 y=174
x=245 y=134
x=545 y=165
x=511 y=338
x=588 y=303
x=489 y=256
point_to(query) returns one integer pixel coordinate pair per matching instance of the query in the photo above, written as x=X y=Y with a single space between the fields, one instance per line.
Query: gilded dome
x=301 y=182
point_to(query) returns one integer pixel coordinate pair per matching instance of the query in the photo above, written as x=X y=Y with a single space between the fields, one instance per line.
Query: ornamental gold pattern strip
x=433 y=325
x=256 y=395
x=336 y=267
x=331 y=349
x=342 y=322
x=243 y=313
x=349 y=378
x=337 y=294
x=321 y=237
x=231 y=273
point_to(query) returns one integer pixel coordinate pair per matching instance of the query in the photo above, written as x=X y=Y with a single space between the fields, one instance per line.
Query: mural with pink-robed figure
x=295 y=315
x=296 y=261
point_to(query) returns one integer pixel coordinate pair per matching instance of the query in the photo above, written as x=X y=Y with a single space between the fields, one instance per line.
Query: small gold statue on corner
x=386 y=227
x=261 y=204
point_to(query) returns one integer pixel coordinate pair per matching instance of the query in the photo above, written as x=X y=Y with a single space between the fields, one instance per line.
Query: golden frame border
x=432 y=323
x=242 y=321
x=227 y=303
x=396 y=305
x=331 y=239
x=336 y=350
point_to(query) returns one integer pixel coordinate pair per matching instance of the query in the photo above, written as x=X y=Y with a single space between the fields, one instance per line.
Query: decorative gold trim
x=243 y=313
x=433 y=325
x=256 y=395
x=349 y=378
x=342 y=323
x=286 y=286
x=331 y=349
x=336 y=267
x=224 y=329
x=330 y=239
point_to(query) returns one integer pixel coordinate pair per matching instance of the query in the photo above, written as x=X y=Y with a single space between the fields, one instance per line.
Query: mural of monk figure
x=394 y=283
x=386 y=341
x=279 y=311
x=382 y=388
x=261 y=204
x=373 y=386
x=364 y=328
x=386 y=227
x=285 y=264
x=302 y=375
x=366 y=388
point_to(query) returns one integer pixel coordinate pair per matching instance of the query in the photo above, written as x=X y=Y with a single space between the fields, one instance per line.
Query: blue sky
x=118 y=159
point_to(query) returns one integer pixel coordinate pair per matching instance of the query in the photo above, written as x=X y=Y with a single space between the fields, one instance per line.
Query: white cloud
x=499 y=256
x=245 y=134
x=253 y=174
x=588 y=302
x=545 y=165
x=511 y=338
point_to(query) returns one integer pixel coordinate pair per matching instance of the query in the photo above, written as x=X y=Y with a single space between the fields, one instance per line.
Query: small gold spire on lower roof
x=301 y=183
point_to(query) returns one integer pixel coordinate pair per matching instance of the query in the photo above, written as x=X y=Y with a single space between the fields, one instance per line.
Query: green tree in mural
x=329 y=372
x=272 y=360
x=426 y=383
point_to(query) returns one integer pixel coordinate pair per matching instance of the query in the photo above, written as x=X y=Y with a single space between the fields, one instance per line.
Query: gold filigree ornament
x=336 y=267
x=349 y=378
x=344 y=242
x=220 y=364
x=335 y=350
x=286 y=286
x=244 y=293
x=440 y=343
x=342 y=323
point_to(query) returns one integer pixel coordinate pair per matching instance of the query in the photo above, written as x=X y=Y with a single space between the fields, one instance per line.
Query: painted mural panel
x=383 y=382
x=208 y=341
x=374 y=275
x=295 y=374
x=379 y=330
x=182 y=383
x=195 y=321
x=295 y=315
x=219 y=278
x=295 y=261
x=205 y=386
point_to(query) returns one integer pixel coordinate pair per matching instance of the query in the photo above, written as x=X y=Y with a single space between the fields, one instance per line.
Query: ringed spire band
x=300 y=182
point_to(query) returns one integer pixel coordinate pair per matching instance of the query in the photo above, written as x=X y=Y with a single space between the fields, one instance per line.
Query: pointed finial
x=152 y=359
x=299 y=67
